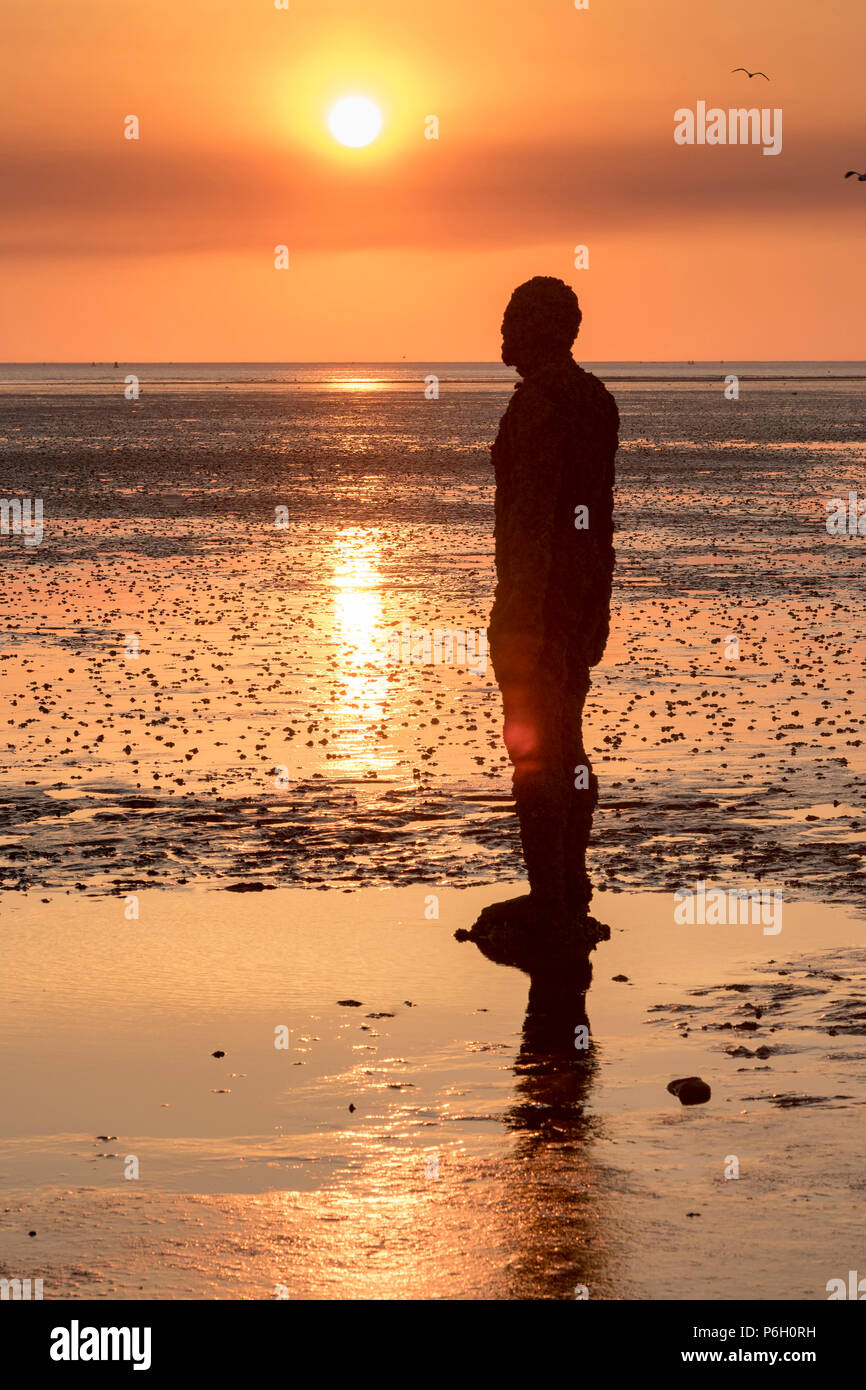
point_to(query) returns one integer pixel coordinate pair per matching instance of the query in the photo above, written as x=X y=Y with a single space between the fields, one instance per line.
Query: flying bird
x=750 y=74
x=852 y=174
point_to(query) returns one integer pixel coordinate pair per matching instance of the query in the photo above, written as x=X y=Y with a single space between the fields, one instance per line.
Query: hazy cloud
x=148 y=200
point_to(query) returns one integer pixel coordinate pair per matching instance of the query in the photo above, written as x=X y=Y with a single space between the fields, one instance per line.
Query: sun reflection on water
x=357 y=384
x=360 y=644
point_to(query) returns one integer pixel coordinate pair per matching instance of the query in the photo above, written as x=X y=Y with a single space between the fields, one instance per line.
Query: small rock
x=690 y=1090
x=248 y=887
x=217 y=1054
x=621 y=979
x=349 y=1003
x=351 y=1109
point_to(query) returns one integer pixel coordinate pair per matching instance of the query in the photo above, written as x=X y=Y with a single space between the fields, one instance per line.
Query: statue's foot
x=533 y=935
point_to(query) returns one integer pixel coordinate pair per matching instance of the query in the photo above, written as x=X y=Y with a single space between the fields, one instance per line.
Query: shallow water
x=486 y=1156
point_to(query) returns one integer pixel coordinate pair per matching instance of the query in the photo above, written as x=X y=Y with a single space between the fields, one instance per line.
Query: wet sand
x=263 y=648
x=485 y=1158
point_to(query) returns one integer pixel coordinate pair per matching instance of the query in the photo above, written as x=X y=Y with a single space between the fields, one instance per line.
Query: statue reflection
x=552 y=1191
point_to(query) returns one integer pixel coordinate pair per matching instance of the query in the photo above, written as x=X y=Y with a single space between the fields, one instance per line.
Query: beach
x=228 y=806
x=475 y=1164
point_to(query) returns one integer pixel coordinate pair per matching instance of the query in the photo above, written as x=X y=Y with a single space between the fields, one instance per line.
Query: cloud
x=149 y=200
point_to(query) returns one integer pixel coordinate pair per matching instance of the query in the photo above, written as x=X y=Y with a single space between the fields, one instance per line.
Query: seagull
x=852 y=174
x=750 y=74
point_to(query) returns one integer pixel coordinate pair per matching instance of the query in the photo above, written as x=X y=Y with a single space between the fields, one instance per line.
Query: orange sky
x=556 y=128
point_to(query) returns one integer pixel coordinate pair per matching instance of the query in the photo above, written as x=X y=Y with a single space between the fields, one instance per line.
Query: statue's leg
x=536 y=732
x=583 y=797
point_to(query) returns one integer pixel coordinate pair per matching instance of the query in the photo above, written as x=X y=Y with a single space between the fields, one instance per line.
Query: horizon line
x=420 y=362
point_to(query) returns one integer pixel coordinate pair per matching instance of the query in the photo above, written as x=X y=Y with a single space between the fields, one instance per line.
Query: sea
x=199 y=660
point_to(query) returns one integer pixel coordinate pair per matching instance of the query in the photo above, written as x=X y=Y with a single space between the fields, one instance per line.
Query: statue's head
x=540 y=323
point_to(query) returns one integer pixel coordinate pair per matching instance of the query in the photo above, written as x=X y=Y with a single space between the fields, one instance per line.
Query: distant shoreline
x=372 y=376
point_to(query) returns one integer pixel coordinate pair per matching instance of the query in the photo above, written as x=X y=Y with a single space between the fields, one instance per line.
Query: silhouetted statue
x=554 y=465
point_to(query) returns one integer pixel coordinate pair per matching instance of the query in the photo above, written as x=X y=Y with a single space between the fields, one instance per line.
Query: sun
x=355 y=121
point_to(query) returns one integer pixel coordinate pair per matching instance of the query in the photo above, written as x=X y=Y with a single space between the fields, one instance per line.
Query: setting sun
x=355 y=121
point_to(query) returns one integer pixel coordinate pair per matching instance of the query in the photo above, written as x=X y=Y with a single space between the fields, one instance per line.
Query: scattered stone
x=349 y=1003
x=690 y=1090
x=217 y=1054
x=788 y=1099
x=249 y=887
